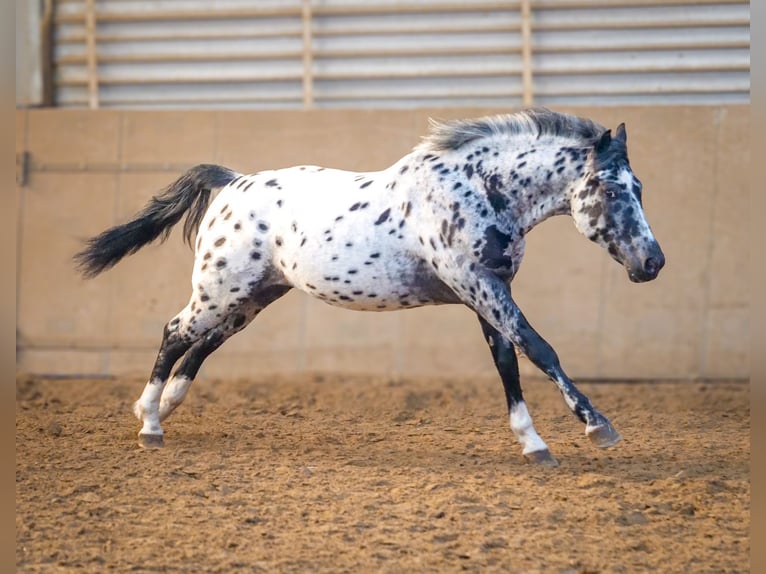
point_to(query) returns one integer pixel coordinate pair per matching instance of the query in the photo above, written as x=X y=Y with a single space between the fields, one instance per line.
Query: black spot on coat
x=495 y=196
x=493 y=253
x=383 y=217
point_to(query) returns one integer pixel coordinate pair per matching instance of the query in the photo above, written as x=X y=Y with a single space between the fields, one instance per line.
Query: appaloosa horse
x=444 y=224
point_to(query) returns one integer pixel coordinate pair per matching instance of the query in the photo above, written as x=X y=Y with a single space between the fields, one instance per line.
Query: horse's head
x=607 y=209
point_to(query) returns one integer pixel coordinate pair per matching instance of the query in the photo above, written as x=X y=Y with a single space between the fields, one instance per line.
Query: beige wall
x=90 y=170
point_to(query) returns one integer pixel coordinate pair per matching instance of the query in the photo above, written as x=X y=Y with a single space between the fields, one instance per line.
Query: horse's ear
x=620 y=133
x=602 y=145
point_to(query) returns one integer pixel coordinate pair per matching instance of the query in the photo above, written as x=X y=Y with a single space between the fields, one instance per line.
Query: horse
x=445 y=224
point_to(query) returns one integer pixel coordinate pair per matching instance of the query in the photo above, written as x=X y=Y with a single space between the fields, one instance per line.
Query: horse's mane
x=451 y=135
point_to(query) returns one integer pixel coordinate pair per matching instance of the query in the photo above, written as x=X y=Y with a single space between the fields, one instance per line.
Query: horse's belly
x=370 y=283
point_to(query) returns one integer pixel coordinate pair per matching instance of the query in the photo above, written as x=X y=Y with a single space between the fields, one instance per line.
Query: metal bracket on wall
x=22 y=168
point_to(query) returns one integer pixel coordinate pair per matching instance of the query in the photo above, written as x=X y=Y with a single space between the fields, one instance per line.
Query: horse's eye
x=610 y=193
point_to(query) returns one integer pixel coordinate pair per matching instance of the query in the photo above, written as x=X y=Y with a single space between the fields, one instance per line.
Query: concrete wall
x=90 y=170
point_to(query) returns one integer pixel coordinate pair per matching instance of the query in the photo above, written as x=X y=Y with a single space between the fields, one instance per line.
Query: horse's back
x=343 y=237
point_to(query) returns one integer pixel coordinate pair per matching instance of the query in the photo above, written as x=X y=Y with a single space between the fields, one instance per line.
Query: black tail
x=190 y=194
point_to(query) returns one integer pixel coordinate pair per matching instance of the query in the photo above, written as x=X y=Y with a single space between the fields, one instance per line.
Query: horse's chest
x=501 y=252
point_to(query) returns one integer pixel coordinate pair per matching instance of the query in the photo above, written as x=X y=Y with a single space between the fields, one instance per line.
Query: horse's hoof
x=603 y=435
x=150 y=440
x=541 y=457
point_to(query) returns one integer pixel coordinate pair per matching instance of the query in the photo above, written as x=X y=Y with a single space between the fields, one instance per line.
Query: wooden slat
x=90 y=31
x=404 y=7
x=590 y=4
x=286 y=11
x=172 y=36
x=47 y=49
x=366 y=95
x=361 y=8
x=138 y=80
x=638 y=24
x=414 y=73
x=646 y=47
x=635 y=90
x=185 y=15
x=676 y=67
x=455 y=28
x=307 y=56
x=426 y=51
x=370 y=75
x=78 y=59
x=412 y=8
x=406 y=52
x=436 y=51
x=596 y=69
x=526 y=53
x=81 y=59
x=260 y=98
x=194 y=99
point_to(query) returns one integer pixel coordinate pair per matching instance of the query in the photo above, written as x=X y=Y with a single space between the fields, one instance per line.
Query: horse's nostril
x=652 y=266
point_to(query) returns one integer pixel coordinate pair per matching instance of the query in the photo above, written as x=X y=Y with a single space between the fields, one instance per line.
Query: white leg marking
x=521 y=425
x=173 y=395
x=567 y=399
x=147 y=407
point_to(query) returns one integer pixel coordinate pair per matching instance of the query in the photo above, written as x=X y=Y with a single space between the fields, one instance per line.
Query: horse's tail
x=190 y=194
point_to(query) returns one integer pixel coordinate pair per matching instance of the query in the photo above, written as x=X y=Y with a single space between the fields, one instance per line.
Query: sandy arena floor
x=344 y=474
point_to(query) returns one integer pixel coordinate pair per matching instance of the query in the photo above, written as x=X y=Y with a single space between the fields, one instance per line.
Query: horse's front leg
x=491 y=299
x=507 y=364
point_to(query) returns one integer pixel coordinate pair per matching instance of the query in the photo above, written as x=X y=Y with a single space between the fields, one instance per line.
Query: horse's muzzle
x=649 y=269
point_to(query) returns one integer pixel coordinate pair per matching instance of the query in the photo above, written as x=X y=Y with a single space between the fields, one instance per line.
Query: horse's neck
x=538 y=178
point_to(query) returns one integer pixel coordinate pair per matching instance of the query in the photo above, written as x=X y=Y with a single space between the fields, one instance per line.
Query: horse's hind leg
x=507 y=364
x=192 y=329
x=175 y=342
x=236 y=320
x=179 y=384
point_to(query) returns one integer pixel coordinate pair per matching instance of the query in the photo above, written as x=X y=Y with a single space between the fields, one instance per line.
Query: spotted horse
x=444 y=224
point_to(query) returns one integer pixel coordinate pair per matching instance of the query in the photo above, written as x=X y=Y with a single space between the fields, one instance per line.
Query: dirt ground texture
x=323 y=473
